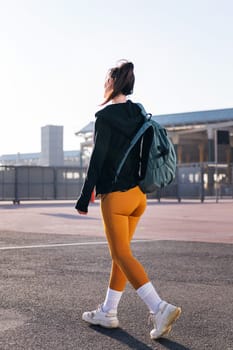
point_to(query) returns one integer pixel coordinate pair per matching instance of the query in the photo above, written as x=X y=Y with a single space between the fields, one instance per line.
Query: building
x=199 y=137
x=51 y=145
x=51 y=154
x=203 y=136
x=71 y=158
x=87 y=144
x=20 y=159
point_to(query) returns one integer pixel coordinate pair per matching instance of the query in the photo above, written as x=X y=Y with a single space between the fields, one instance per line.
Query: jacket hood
x=122 y=116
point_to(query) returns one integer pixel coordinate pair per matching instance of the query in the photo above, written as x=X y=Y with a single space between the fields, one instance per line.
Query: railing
x=193 y=181
x=200 y=181
x=40 y=183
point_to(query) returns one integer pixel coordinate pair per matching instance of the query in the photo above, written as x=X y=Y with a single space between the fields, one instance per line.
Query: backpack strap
x=143 y=111
x=146 y=125
x=164 y=147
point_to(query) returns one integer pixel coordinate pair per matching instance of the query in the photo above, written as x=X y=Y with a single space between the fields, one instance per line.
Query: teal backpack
x=157 y=155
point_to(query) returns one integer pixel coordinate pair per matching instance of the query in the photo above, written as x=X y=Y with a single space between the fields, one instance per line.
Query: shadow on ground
x=70 y=216
x=127 y=339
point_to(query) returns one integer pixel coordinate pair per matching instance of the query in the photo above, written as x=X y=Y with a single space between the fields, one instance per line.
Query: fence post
x=178 y=183
x=16 y=194
x=55 y=182
x=202 y=183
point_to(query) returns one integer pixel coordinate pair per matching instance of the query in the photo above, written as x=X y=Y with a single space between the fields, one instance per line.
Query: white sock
x=150 y=297
x=112 y=300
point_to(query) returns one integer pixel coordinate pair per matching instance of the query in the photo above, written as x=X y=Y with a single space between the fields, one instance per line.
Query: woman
x=122 y=202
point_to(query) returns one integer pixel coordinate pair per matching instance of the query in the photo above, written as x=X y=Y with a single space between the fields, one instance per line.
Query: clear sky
x=54 y=55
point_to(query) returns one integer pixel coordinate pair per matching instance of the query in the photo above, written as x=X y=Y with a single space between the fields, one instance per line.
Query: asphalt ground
x=54 y=265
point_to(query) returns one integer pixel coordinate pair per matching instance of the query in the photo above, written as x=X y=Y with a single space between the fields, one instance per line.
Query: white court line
x=55 y=245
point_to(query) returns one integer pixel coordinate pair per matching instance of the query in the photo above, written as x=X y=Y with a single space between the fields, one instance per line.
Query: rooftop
x=194 y=118
x=182 y=119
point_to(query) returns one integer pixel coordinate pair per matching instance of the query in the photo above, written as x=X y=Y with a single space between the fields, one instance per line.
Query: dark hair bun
x=123 y=75
x=125 y=65
x=130 y=65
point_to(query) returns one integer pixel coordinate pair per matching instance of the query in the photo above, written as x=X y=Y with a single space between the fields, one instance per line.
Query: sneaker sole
x=173 y=317
x=167 y=331
x=113 y=324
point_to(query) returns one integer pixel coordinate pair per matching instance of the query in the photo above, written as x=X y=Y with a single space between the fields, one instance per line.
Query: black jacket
x=115 y=126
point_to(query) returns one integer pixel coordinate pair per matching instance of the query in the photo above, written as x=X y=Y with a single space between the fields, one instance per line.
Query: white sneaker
x=163 y=319
x=99 y=317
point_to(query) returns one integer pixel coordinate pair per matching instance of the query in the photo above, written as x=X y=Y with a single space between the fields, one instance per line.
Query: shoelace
x=151 y=319
x=99 y=308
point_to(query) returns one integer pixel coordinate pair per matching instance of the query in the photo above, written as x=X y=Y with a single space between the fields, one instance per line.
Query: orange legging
x=121 y=212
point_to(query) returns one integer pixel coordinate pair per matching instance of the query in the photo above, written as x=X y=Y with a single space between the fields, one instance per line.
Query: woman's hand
x=81 y=212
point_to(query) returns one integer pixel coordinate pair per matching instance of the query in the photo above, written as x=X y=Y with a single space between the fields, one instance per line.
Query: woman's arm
x=101 y=145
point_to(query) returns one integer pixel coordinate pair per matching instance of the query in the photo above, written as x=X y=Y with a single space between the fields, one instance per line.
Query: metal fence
x=200 y=181
x=40 y=183
x=193 y=181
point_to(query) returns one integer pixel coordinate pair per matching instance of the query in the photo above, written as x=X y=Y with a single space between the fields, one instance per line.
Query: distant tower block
x=52 y=145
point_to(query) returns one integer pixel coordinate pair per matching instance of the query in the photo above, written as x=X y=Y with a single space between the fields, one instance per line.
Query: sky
x=54 y=55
